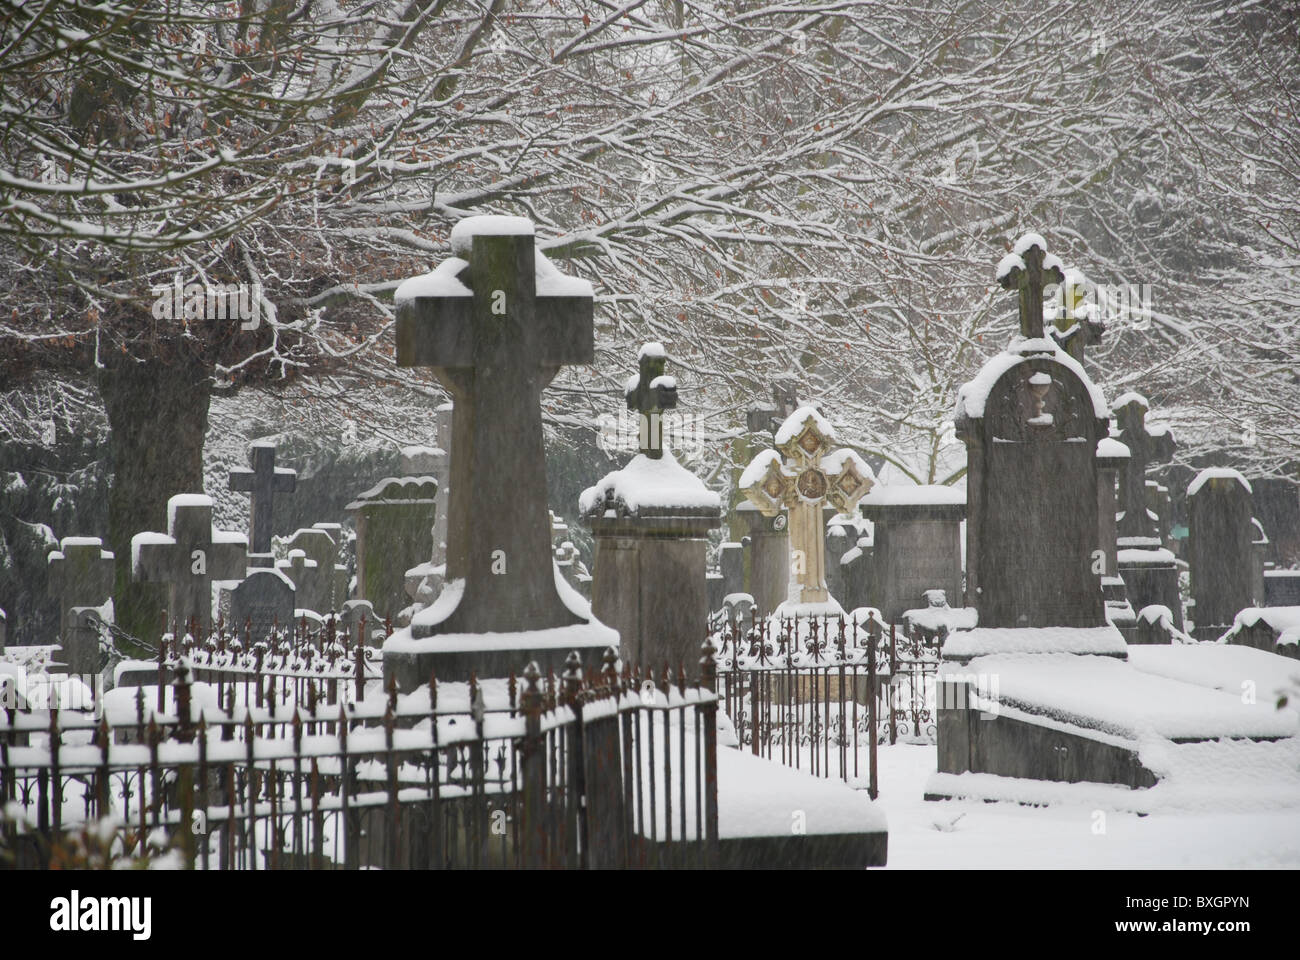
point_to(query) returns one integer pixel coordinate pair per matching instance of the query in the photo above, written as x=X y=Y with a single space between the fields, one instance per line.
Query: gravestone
x=358 y=612
x=189 y=557
x=264 y=601
x=1282 y=588
x=1031 y=421
x=495 y=322
x=1277 y=504
x=1112 y=459
x=838 y=542
x=303 y=571
x=1219 y=549
x=801 y=474
x=323 y=586
x=394 y=523
x=917 y=545
x=1074 y=315
x=262 y=482
x=767 y=546
x=650 y=520
x=80 y=574
x=731 y=564
x=1148 y=568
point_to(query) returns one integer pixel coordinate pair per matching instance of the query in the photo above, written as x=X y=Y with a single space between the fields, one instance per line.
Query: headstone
x=1219 y=549
x=82 y=654
x=917 y=545
x=650 y=521
x=731 y=564
x=303 y=571
x=1074 y=316
x=355 y=614
x=1277 y=504
x=800 y=475
x=80 y=574
x=394 y=522
x=838 y=542
x=1031 y=421
x=767 y=546
x=322 y=583
x=495 y=322
x=1148 y=568
x=189 y=557
x=263 y=602
x=261 y=483
x=1282 y=588
x=1112 y=459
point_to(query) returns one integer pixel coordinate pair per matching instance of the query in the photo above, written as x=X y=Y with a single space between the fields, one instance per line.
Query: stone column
x=769 y=557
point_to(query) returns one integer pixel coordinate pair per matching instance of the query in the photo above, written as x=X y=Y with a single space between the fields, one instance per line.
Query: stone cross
x=1146 y=446
x=496 y=326
x=785 y=402
x=1075 y=326
x=188 y=557
x=80 y=574
x=262 y=483
x=1027 y=269
x=650 y=393
x=808 y=476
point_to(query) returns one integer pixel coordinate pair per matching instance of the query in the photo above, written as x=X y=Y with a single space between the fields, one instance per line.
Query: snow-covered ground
x=961 y=834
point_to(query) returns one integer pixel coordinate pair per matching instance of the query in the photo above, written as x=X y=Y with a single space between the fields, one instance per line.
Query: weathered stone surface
x=80 y=574
x=262 y=483
x=769 y=556
x=917 y=547
x=1219 y=549
x=262 y=603
x=731 y=564
x=1277 y=504
x=394 y=521
x=1282 y=588
x=323 y=587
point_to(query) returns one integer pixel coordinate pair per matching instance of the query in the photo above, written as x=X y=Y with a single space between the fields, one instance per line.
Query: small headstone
x=731 y=565
x=322 y=582
x=394 y=522
x=80 y=574
x=1282 y=588
x=188 y=557
x=261 y=483
x=355 y=614
x=1277 y=504
x=302 y=571
x=262 y=603
x=917 y=544
x=1219 y=549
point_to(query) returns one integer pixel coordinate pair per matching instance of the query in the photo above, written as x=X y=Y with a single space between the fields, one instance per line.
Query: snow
x=794 y=425
x=464 y=232
x=1110 y=696
x=1123 y=400
x=1232 y=668
x=663 y=383
x=974 y=393
x=1052 y=262
x=1216 y=473
x=933 y=618
x=1035 y=640
x=552 y=283
x=1132 y=556
x=1028 y=240
x=834 y=462
x=653 y=349
x=441 y=282
x=146 y=537
x=67 y=542
x=185 y=500
x=757 y=468
x=647 y=482
x=1285 y=621
x=1012 y=261
x=1110 y=448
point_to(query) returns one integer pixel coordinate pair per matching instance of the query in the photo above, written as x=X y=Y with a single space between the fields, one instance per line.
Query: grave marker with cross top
x=80 y=574
x=1146 y=445
x=495 y=322
x=262 y=483
x=188 y=557
x=1027 y=270
x=650 y=392
x=808 y=476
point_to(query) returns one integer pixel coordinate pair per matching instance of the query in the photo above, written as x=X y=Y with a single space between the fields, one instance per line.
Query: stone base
x=1210 y=632
x=1153 y=582
x=461 y=658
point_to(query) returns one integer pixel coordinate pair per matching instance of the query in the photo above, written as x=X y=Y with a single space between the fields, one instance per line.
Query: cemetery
x=739 y=529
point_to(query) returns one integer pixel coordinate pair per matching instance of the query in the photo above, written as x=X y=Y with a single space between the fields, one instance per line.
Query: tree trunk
x=158 y=418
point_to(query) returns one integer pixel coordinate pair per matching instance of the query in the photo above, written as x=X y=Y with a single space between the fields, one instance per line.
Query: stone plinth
x=394 y=521
x=1219 y=549
x=917 y=545
x=1282 y=588
x=769 y=556
x=1150 y=575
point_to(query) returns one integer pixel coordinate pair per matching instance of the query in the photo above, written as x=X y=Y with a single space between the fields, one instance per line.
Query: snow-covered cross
x=495 y=322
x=80 y=574
x=808 y=476
x=188 y=557
x=262 y=483
x=1146 y=445
x=1027 y=269
x=650 y=393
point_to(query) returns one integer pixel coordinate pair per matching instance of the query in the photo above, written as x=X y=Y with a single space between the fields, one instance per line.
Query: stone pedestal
x=394 y=521
x=1150 y=575
x=649 y=585
x=917 y=546
x=769 y=557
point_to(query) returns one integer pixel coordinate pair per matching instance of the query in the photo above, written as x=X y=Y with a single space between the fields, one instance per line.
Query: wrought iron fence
x=821 y=693
x=599 y=769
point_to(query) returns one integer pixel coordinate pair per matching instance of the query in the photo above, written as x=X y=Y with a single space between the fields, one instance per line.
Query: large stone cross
x=188 y=557
x=262 y=483
x=496 y=322
x=1146 y=446
x=650 y=393
x=808 y=476
x=80 y=574
x=1027 y=270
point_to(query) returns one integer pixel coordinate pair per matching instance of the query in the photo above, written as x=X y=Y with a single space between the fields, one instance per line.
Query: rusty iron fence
x=821 y=693
x=594 y=769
